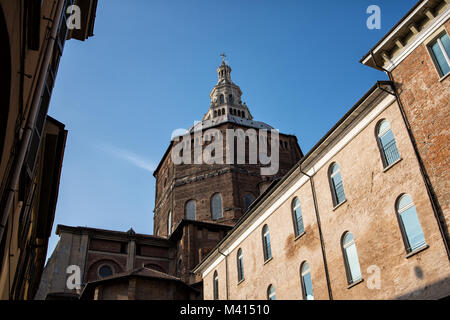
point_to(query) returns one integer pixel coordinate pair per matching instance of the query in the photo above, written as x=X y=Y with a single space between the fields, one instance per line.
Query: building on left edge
x=32 y=38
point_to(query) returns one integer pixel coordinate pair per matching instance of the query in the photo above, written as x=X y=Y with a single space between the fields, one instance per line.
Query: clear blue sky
x=149 y=70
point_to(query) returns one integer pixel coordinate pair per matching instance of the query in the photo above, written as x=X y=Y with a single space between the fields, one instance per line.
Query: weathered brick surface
x=177 y=184
x=426 y=100
x=369 y=214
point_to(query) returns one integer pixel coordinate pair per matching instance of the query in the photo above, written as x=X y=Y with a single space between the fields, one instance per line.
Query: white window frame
x=336 y=201
x=380 y=134
x=216 y=285
x=345 y=246
x=441 y=46
x=270 y=293
x=240 y=264
x=305 y=269
x=294 y=217
x=267 y=244
x=400 y=211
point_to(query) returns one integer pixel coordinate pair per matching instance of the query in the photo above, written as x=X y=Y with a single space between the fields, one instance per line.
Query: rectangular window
x=440 y=49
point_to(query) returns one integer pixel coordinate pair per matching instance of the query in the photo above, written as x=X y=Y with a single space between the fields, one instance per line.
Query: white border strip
x=384 y=104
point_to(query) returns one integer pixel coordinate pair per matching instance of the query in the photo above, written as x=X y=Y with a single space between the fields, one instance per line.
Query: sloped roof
x=142 y=272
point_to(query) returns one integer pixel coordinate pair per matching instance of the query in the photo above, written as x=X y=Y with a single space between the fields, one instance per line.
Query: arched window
x=219 y=113
x=169 y=224
x=223 y=111
x=190 y=210
x=221 y=99
x=248 y=200
x=271 y=293
x=216 y=285
x=337 y=186
x=266 y=243
x=230 y=98
x=105 y=271
x=243 y=114
x=387 y=144
x=216 y=206
x=215 y=113
x=409 y=223
x=351 y=258
x=240 y=265
x=297 y=217
x=305 y=275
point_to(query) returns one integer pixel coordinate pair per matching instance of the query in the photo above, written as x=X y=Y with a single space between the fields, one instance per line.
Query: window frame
x=302 y=280
x=348 y=270
x=381 y=148
x=437 y=39
x=333 y=186
x=240 y=265
x=271 y=292
x=215 y=285
x=267 y=245
x=194 y=208
x=212 y=206
x=102 y=266
x=297 y=232
x=398 y=212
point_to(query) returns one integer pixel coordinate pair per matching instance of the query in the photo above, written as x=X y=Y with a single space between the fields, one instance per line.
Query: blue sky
x=149 y=70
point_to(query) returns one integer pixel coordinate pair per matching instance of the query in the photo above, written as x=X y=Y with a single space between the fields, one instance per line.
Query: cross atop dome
x=226 y=97
x=223 y=55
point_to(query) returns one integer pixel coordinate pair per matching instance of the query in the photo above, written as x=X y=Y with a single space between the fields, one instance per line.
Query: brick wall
x=369 y=213
x=426 y=99
x=176 y=185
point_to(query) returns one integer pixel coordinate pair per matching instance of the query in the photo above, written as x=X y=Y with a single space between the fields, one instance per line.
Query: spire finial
x=223 y=55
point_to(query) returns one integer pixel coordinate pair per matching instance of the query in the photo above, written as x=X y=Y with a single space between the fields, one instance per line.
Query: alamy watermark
x=374 y=20
x=74 y=18
x=74 y=279
x=209 y=147
x=374 y=280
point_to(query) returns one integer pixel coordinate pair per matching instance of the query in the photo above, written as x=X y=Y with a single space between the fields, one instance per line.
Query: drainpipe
x=226 y=272
x=322 y=244
x=14 y=183
x=434 y=203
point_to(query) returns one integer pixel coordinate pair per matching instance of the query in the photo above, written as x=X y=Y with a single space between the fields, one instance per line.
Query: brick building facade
x=32 y=39
x=196 y=205
x=363 y=215
x=198 y=181
x=371 y=226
